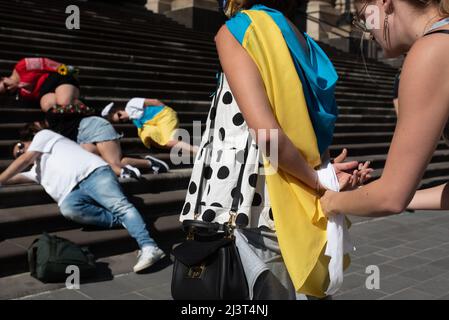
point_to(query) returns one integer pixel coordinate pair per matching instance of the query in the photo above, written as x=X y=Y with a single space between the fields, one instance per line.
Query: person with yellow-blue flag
x=276 y=90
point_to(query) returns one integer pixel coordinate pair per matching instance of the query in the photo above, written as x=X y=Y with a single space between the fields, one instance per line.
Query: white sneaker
x=147 y=257
x=130 y=172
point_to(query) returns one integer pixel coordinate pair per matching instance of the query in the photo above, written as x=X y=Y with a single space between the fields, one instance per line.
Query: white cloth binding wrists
x=338 y=240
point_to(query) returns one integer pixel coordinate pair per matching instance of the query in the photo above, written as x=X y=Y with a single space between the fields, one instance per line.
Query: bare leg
x=48 y=101
x=138 y=163
x=66 y=94
x=183 y=145
x=91 y=148
x=111 y=152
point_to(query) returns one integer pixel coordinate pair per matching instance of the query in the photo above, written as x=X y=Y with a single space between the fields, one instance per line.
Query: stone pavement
x=411 y=251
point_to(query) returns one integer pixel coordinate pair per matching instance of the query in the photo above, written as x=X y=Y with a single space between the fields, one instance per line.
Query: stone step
x=372 y=103
x=366 y=78
x=434 y=172
x=122 y=44
x=378 y=160
x=378 y=97
x=32 y=194
x=151 y=54
x=133 y=23
x=366 y=137
x=348 y=109
x=358 y=150
x=17 y=19
x=126 y=93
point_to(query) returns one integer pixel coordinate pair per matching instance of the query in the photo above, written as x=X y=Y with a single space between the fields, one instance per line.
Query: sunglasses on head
x=358 y=21
x=21 y=149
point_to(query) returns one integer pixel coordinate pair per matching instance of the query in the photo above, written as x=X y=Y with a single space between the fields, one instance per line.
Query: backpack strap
x=32 y=252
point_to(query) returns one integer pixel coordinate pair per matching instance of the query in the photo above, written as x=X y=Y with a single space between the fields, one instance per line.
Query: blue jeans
x=99 y=200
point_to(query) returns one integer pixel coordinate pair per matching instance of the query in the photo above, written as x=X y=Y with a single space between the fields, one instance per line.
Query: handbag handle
x=237 y=194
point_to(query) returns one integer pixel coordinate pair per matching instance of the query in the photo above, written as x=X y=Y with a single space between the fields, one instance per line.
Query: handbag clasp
x=196 y=272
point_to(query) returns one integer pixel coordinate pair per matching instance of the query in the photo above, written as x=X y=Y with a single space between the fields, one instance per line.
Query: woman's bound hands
x=351 y=174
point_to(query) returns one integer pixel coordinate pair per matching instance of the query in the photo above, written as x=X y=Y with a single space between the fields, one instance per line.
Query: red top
x=33 y=72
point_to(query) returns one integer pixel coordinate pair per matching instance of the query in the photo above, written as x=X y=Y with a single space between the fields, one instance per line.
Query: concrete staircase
x=124 y=52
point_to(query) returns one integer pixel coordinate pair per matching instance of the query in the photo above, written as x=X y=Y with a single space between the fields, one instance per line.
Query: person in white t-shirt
x=84 y=186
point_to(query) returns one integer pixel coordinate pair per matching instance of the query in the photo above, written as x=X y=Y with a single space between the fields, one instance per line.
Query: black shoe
x=157 y=165
x=130 y=172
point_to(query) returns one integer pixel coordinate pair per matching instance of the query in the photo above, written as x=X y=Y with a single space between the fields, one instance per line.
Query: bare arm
x=153 y=102
x=436 y=198
x=18 y=179
x=15 y=76
x=18 y=166
x=12 y=82
x=244 y=76
x=422 y=116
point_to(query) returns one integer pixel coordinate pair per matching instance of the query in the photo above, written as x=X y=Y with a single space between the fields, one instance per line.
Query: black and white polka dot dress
x=222 y=148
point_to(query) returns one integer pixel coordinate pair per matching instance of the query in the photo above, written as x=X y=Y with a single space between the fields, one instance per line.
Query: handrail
x=320 y=21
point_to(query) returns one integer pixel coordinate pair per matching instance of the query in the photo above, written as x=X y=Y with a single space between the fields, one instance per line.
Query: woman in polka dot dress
x=219 y=160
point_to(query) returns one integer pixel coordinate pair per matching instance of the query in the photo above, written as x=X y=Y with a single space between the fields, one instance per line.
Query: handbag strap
x=237 y=195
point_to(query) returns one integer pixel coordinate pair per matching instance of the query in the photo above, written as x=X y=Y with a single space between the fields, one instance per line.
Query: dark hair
x=28 y=132
x=113 y=110
x=287 y=7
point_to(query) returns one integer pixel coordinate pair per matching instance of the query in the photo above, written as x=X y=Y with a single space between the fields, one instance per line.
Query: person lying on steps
x=156 y=123
x=83 y=185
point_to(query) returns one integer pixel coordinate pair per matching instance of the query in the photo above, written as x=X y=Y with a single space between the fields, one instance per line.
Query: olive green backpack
x=49 y=256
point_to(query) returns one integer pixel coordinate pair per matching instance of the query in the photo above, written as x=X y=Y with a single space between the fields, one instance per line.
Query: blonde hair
x=443 y=5
x=287 y=7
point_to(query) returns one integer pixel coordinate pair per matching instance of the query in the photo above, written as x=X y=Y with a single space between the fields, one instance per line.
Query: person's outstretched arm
x=249 y=91
x=424 y=110
x=153 y=102
x=20 y=164
x=436 y=198
x=19 y=179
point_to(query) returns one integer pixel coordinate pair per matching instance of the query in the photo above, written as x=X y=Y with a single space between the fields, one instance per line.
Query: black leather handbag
x=207 y=264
